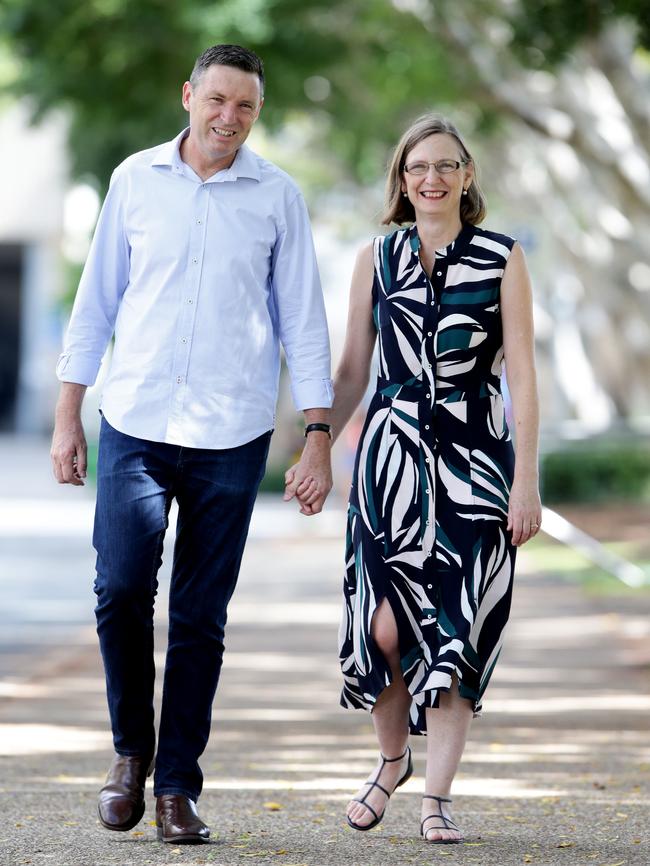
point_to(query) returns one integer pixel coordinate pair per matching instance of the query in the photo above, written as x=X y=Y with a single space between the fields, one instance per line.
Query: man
x=202 y=262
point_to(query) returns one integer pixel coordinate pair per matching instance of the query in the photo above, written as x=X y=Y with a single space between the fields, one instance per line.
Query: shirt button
x=426 y=426
x=429 y=334
x=439 y=273
x=183 y=339
x=190 y=301
x=426 y=460
x=179 y=379
x=429 y=553
x=195 y=261
x=429 y=585
x=429 y=366
x=428 y=395
x=198 y=222
x=428 y=491
x=427 y=522
x=433 y=303
x=429 y=616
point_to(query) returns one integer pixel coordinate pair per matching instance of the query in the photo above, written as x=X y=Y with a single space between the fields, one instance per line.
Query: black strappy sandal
x=375 y=784
x=447 y=823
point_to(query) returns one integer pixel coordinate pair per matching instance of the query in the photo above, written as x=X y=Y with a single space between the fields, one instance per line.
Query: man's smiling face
x=223 y=105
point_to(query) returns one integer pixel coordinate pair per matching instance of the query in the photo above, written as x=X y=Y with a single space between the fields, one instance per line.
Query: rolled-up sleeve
x=103 y=282
x=301 y=311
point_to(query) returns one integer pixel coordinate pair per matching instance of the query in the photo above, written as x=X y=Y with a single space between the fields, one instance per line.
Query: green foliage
x=545 y=31
x=118 y=65
x=596 y=473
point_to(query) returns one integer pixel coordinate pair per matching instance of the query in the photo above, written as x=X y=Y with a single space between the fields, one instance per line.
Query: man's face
x=223 y=106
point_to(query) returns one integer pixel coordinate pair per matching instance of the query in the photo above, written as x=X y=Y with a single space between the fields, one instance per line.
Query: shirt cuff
x=312 y=394
x=80 y=369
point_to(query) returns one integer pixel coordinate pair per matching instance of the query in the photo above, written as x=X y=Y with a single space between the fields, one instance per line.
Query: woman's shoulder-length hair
x=399 y=209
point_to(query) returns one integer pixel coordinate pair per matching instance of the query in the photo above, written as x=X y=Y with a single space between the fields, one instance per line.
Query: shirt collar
x=244 y=165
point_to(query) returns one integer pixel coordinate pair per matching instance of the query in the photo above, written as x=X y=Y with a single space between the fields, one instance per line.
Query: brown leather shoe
x=177 y=821
x=121 y=800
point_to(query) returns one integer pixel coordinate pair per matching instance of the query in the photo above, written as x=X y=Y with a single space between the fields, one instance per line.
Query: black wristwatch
x=324 y=428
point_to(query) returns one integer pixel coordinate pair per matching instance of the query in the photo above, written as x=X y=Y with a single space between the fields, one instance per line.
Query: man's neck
x=204 y=168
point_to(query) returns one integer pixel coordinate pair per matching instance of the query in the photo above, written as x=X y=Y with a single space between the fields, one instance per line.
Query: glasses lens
x=417 y=168
x=444 y=166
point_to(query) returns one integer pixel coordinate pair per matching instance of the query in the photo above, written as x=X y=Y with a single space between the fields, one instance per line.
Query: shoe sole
x=187 y=839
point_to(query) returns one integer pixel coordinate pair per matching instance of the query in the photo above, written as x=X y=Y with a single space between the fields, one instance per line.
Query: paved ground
x=557 y=771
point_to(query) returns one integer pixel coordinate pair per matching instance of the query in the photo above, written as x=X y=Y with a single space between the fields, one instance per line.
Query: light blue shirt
x=200 y=281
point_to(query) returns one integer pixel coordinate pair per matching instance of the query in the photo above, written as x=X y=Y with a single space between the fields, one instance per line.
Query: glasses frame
x=457 y=165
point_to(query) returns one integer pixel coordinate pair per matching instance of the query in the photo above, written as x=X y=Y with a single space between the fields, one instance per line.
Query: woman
x=439 y=503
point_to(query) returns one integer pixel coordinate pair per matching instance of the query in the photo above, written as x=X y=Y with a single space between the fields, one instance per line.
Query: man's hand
x=310 y=480
x=69 y=450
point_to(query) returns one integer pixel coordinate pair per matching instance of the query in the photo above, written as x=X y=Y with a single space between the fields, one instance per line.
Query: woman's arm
x=353 y=370
x=525 y=510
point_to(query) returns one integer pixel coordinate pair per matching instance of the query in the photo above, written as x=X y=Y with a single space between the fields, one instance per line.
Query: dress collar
x=453 y=251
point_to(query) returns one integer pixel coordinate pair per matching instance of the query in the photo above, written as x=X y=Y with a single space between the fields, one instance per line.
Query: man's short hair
x=228 y=55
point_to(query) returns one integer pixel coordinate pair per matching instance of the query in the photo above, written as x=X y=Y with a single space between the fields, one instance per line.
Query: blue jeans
x=215 y=491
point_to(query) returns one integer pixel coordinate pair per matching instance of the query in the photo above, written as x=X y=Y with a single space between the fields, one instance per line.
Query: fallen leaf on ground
x=137 y=833
x=528 y=858
x=273 y=807
x=565 y=845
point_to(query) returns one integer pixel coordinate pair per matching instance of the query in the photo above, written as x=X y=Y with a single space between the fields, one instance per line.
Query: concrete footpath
x=557 y=771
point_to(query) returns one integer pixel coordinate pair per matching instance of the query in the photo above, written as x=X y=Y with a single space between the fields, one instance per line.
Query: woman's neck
x=436 y=233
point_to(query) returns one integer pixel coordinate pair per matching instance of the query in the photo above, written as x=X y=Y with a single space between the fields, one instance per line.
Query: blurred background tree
x=553 y=94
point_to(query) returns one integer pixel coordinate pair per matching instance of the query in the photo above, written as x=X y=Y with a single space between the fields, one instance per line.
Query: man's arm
x=104 y=279
x=303 y=333
x=313 y=474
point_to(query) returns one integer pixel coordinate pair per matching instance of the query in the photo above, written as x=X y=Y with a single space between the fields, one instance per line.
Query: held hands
x=524 y=512
x=69 y=451
x=310 y=480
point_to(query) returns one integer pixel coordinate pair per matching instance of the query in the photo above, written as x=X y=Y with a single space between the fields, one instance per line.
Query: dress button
x=428 y=491
x=429 y=334
x=429 y=616
x=428 y=522
x=428 y=395
x=429 y=553
x=427 y=460
x=433 y=303
x=429 y=586
x=439 y=273
x=426 y=426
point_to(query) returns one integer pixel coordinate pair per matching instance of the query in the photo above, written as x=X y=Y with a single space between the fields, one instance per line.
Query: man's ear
x=186 y=93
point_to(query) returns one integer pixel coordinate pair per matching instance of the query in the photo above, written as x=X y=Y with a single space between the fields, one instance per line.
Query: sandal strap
x=449 y=824
x=399 y=757
x=367 y=806
x=372 y=785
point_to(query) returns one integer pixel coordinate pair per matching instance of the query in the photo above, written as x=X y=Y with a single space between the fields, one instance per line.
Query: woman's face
x=436 y=193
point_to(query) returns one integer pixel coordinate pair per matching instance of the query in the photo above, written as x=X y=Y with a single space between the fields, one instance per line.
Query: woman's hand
x=524 y=512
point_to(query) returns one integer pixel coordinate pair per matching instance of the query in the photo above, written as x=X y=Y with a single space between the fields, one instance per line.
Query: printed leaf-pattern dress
x=429 y=499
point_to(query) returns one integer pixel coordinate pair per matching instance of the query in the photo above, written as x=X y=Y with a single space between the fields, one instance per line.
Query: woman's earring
x=464 y=192
x=405 y=195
